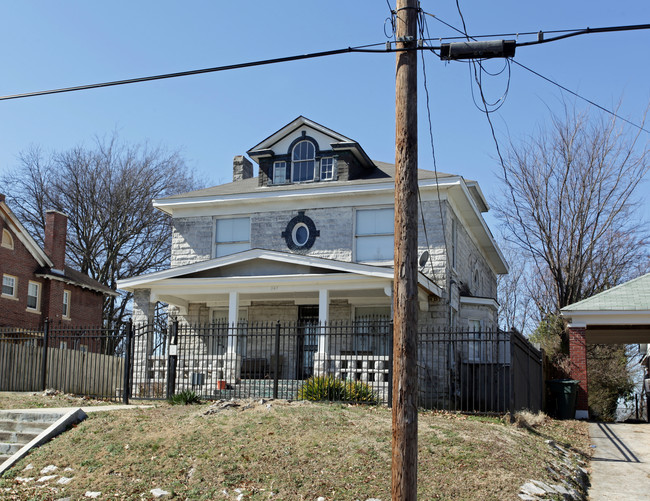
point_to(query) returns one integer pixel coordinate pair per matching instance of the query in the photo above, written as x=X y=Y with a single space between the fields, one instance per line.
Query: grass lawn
x=288 y=451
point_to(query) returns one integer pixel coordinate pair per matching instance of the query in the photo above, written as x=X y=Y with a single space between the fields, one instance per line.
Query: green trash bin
x=563 y=393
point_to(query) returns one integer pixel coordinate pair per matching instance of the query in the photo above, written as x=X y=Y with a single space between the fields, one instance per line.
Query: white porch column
x=232 y=364
x=321 y=358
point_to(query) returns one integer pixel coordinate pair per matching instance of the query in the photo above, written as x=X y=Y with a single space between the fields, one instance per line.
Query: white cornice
x=346 y=269
x=607 y=317
x=479 y=301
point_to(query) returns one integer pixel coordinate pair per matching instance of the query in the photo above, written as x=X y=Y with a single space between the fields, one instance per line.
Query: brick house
x=36 y=283
x=310 y=238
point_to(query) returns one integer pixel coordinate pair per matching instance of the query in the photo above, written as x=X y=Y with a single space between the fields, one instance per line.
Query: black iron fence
x=483 y=371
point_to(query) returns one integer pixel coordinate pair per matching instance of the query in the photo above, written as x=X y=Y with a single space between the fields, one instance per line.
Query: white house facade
x=310 y=238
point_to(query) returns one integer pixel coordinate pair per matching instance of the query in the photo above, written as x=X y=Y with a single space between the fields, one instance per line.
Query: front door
x=307 y=340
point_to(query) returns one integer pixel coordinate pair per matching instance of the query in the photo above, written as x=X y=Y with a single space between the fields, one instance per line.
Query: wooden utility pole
x=405 y=294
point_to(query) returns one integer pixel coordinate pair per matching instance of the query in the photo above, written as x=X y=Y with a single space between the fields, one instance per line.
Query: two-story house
x=37 y=284
x=310 y=238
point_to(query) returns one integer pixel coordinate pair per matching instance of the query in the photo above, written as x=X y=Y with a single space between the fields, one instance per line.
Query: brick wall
x=20 y=264
x=86 y=305
x=578 y=356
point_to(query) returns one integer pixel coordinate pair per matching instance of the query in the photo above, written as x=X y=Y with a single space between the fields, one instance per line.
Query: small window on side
x=34 y=296
x=7 y=240
x=279 y=172
x=66 y=304
x=9 y=286
x=327 y=169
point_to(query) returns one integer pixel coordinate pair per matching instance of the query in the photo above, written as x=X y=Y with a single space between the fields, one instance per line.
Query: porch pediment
x=261 y=273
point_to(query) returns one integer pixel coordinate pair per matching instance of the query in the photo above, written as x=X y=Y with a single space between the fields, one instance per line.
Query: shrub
x=185 y=397
x=319 y=388
x=359 y=391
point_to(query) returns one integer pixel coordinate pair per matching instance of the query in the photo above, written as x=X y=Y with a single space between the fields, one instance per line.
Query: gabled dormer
x=304 y=151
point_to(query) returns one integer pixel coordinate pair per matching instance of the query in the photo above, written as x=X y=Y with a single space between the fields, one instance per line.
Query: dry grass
x=49 y=398
x=285 y=451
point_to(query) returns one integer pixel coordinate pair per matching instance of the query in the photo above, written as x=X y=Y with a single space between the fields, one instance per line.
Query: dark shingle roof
x=384 y=172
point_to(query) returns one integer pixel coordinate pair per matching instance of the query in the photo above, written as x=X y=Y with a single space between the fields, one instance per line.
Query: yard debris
x=92 y=494
x=567 y=469
x=46 y=478
x=64 y=480
x=48 y=469
x=158 y=493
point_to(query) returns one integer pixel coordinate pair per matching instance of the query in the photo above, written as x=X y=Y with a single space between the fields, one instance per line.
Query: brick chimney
x=242 y=168
x=56 y=227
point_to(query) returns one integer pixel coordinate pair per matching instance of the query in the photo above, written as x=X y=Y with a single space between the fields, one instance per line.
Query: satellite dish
x=424 y=257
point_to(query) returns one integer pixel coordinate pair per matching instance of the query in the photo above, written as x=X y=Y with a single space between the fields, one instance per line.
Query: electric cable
x=423 y=26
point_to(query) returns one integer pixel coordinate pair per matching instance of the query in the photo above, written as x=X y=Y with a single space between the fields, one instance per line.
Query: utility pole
x=405 y=295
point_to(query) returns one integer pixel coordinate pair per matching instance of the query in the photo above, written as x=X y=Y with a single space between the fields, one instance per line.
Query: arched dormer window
x=303 y=158
x=7 y=240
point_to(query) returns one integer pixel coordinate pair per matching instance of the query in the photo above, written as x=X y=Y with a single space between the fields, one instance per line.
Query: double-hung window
x=8 y=286
x=326 y=169
x=232 y=235
x=279 y=172
x=34 y=296
x=66 y=304
x=303 y=160
x=374 y=234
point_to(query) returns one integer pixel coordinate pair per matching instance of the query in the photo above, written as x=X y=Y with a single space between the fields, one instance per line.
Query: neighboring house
x=620 y=315
x=310 y=239
x=36 y=283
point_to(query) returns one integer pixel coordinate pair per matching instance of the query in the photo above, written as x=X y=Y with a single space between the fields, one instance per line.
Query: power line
x=361 y=48
x=577 y=32
x=582 y=97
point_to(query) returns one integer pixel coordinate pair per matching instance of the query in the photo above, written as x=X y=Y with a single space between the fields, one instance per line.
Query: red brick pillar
x=578 y=355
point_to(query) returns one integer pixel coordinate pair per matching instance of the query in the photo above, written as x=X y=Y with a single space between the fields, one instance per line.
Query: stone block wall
x=191 y=239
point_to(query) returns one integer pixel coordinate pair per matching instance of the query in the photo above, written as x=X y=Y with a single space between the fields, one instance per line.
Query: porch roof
x=618 y=315
x=259 y=272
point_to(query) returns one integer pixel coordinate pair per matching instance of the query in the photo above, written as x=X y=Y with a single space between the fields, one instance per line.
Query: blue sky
x=213 y=117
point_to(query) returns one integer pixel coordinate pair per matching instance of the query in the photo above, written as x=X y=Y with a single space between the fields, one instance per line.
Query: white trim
x=479 y=301
x=611 y=317
x=348 y=271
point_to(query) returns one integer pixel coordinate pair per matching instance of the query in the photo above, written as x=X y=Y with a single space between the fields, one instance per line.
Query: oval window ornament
x=300 y=233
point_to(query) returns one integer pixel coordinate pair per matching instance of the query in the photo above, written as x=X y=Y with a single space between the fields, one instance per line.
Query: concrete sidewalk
x=620 y=466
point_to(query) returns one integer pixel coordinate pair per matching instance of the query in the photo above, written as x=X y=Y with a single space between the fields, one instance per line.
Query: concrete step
x=14 y=437
x=30 y=416
x=9 y=449
x=4 y=457
x=23 y=426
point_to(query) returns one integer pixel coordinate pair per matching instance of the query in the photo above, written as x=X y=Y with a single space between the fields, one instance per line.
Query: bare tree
x=516 y=307
x=113 y=230
x=569 y=205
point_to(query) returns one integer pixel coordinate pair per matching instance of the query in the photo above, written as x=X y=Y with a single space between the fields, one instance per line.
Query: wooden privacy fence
x=67 y=370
